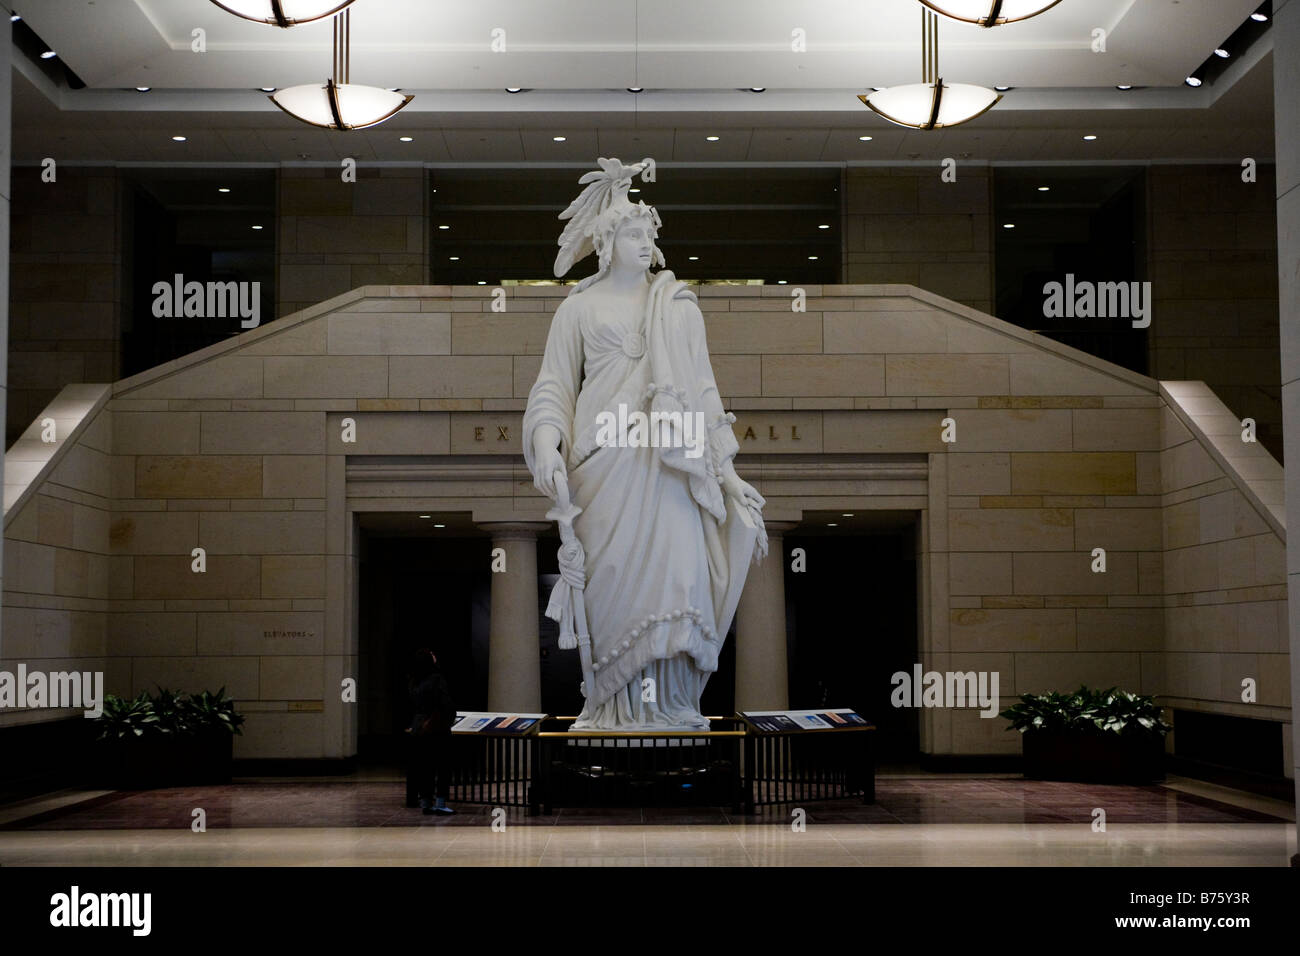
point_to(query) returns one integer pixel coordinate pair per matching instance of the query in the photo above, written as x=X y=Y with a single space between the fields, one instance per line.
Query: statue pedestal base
x=652 y=768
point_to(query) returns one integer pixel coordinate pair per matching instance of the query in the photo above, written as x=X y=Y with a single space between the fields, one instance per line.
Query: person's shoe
x=443 y=810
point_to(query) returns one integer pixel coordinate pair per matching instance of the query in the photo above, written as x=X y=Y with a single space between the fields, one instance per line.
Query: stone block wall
x=905 y=225
x=65 y=286
x=239 y=449
x=1213 y=266
x=1225 y=564
x=56 y=576
x=336 y=236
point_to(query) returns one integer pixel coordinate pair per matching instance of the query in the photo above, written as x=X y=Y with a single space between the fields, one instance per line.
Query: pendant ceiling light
x=282 y=13
x=931 y=104
x=338 y=104
x=990 y=13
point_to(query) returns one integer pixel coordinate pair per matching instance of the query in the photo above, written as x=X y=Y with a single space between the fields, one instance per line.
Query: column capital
x=506 y=530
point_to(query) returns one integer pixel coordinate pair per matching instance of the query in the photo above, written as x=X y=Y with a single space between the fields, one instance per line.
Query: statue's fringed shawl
x=667 y=551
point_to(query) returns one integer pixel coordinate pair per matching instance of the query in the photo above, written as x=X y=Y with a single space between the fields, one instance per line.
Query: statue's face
x=633 y=245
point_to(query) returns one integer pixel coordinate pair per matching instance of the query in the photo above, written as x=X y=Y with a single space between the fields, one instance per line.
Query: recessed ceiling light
x=1044 y=189
x=223 y=189
x=1222 y=53
x=178 y=139
x=559 y=139
x=847 y=514
x=1008 y=225
x=426 y=516
x=482 y=282
x=864 y=139
x=712 y=139
x=143 y=89
x=440 y=526
x=406 y=139
x=812 y=258
x=634 y=190
x=14 y=18
x=1090 y=137
x=1001 y=89
x=832 y=524
x=267 y=89
x=824 y=225
x=1193 y=81
x=257 y=228
x=781 y=282
x=757 y=89
x=454 y=258
x=1124 y=86
x=635 y=89
x=1259 y=17
x=514 y=89
x=693 y=258
x=48 y=55
x=444 y=227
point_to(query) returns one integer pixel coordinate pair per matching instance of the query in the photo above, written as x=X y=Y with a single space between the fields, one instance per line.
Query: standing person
x=431 y=729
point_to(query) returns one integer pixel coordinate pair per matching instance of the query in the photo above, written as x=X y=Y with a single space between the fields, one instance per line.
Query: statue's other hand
x=547 y=463
x=742 y=491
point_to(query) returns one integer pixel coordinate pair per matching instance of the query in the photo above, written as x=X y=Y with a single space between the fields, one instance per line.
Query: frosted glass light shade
x=931 y=105
x=990 y=13
x=282 y=13
x=340 y=107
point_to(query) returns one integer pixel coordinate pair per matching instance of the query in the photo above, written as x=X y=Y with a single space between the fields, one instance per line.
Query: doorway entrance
x=851 y=621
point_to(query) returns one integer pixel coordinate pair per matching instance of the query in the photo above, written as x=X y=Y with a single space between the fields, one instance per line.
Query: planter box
x=146 y=763
x=1093 y=757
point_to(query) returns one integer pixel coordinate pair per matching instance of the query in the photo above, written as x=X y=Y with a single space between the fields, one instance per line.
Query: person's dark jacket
x=432 y=703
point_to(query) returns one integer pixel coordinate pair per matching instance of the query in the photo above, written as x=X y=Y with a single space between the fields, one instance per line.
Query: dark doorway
x=851 y=624
x=418 y=592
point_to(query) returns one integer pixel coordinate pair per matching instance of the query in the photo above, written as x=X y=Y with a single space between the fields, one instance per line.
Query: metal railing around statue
x=490 y=759
x=789 y=764
x=743 y=763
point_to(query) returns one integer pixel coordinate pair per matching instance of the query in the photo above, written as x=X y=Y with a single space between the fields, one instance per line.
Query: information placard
x=790 y=721
x=480 y=722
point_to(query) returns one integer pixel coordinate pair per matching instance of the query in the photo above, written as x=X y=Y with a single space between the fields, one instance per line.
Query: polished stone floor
x=926 y=820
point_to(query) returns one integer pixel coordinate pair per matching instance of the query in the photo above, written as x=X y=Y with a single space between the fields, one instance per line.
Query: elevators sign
x=795 y=721
x=480 y=722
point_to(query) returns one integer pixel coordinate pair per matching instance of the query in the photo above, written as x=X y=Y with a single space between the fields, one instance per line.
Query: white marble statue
x=625 y=417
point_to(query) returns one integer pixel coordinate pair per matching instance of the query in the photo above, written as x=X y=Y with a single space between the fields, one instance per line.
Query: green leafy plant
x=1088 y=711
x=124 y=718
x=215 y=712
x=173 y=712
x=168 y=713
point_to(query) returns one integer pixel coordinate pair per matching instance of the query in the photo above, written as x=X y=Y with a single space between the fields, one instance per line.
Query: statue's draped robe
x=666 y=550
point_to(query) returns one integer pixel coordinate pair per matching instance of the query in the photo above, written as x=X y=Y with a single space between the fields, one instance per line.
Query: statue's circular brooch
x=634 y=345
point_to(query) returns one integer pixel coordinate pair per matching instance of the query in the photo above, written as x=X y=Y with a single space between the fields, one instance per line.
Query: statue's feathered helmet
x=600 y=209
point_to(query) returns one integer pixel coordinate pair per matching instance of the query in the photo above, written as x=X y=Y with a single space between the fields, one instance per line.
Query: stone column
x=762 y=678
x=514 y=660
x=1286 y=114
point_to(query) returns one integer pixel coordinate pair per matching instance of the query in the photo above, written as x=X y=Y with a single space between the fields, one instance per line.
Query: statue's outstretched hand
x=547 y=463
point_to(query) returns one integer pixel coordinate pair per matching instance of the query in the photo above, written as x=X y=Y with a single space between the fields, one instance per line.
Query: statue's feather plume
x=603 y=187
